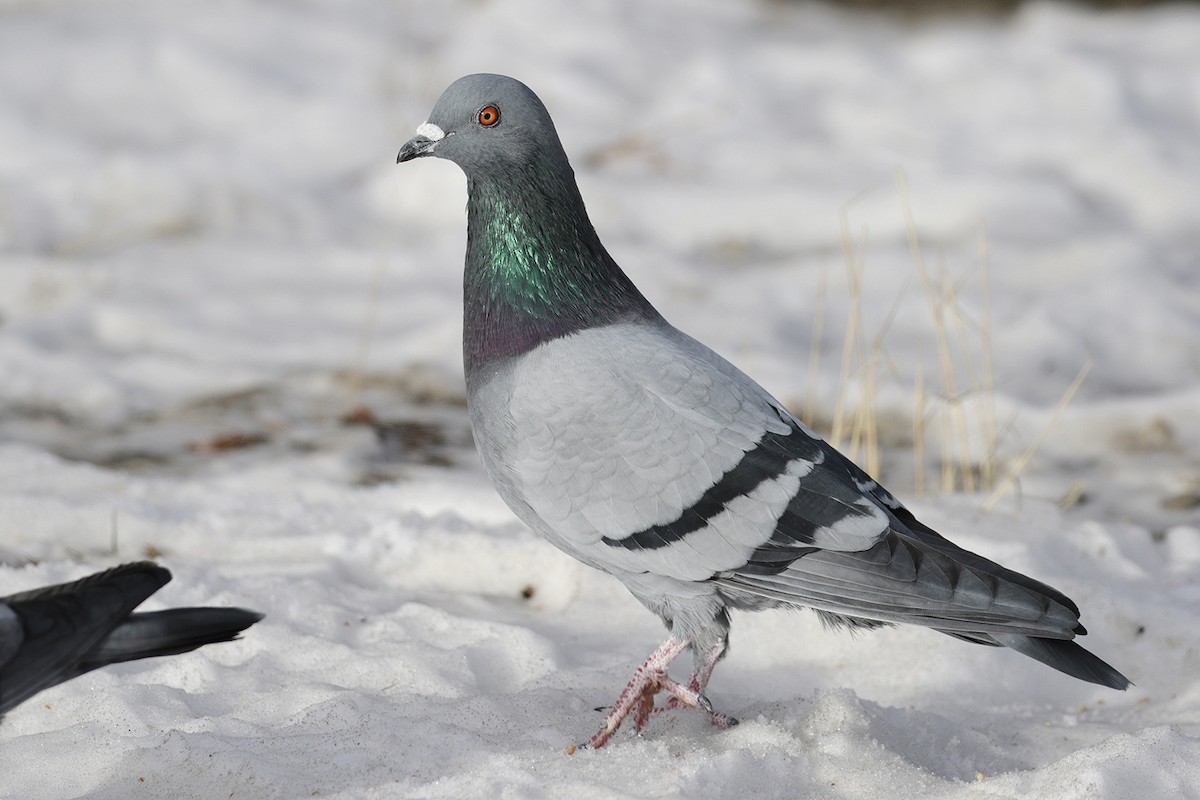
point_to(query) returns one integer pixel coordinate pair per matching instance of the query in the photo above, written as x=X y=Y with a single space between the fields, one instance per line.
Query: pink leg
x=648 y=680
x=696 y=687
x=704 y=670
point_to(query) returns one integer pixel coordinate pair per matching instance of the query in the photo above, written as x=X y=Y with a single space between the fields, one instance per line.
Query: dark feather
x=59 y=632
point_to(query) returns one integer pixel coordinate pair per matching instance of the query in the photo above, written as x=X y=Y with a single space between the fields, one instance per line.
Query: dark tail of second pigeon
x=55 y=633
x=165 y=633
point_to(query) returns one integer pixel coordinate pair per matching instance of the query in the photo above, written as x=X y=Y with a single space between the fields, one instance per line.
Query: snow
x=208 y=261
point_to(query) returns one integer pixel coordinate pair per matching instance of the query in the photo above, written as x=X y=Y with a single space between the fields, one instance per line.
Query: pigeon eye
x=489 y=116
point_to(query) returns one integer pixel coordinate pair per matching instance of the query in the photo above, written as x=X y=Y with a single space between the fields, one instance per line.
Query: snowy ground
x=208 y=260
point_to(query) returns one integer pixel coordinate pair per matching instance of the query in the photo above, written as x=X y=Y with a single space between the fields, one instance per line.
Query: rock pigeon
x=640 y=452
x=56 y=633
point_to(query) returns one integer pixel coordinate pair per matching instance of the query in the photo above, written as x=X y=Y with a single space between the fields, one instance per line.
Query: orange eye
x=489 y=116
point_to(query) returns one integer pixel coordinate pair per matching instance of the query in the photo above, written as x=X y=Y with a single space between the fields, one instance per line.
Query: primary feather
x=641 y=452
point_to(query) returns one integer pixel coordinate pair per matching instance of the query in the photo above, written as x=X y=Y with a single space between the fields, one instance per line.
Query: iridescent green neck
x=526 y=265
x=535 y=268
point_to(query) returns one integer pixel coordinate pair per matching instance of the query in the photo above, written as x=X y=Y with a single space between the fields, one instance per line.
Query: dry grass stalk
x=814 y=350
x=961 y=412
x=854 y=265
x=960 y=340
x=920 y=400
x=1019 y=465
x=987 y=395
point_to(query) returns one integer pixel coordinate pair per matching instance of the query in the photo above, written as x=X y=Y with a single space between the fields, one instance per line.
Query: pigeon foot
x=648 y=680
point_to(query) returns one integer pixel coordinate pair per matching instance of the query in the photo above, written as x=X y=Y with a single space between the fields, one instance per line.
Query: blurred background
x=916 y=223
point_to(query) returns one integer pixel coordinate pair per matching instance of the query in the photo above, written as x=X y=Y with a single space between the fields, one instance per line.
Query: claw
x=723 y=721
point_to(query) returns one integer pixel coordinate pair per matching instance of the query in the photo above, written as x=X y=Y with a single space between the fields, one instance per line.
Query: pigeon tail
x=55 y=633
x=167 y=633
x=1066 y=656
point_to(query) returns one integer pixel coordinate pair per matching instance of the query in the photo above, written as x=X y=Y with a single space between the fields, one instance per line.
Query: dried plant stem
x=1019 y=465
x=960 y=412
x=814 y=350
x=853 y=261
x=958 y=409
x=919 y=433
x=987 y=420
x=946 y=362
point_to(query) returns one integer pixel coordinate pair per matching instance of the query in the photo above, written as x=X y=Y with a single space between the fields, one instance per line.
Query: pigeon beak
x=428 y=135
x=415 y=148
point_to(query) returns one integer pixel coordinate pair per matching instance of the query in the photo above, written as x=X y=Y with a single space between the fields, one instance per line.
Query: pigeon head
x=535 y=269
x=486 y=124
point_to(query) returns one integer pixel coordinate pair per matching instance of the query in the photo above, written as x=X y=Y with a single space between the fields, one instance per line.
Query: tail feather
x=55 y=633
x=1066 y=656
x=931 y=538
x=913 y=575
x=165 y=633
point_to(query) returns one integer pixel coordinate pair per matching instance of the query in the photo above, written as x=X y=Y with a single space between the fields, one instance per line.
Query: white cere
x=430 y=131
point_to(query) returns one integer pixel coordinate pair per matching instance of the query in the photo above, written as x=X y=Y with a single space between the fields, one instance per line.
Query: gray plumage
x=642 y=453
x=56 y=633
